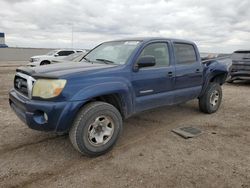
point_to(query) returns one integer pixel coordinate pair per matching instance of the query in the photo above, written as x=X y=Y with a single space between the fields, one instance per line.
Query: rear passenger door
x=188 y=78
x=152 y=84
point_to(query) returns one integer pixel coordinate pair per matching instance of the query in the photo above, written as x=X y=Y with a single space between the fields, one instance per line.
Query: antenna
x=72 y=37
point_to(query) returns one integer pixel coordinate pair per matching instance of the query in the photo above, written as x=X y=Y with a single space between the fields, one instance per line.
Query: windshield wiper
x=86 y=59
x=106 y=61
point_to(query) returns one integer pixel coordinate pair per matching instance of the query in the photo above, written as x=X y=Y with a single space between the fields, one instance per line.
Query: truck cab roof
x=148 y=39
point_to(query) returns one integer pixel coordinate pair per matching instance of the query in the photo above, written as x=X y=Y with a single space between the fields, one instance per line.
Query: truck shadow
x=240 y=83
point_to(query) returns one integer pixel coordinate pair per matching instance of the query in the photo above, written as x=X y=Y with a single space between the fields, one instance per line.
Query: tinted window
x=65 y=53
x=159 y=51
x=184 y=53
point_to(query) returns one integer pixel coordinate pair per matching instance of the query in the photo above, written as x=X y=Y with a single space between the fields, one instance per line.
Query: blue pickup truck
x=117 y=79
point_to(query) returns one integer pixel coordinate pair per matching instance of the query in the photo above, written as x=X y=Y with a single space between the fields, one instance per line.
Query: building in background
x=2 y=41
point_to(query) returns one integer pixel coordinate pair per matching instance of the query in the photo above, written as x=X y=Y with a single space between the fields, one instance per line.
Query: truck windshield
x=51 y=52
x=116 y=52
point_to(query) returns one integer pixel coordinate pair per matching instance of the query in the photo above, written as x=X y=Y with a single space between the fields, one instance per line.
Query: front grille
x=241 y=66
x=23 y=84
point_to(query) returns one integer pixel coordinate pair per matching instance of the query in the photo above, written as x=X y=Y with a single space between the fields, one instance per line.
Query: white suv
x=49 y=57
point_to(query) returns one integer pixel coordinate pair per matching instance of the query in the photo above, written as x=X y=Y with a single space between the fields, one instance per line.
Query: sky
x=215 y=26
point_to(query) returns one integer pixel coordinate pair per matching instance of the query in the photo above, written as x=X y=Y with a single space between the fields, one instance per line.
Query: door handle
x=170 y=74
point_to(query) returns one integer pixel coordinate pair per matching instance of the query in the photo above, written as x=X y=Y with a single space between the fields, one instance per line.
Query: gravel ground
x=148 y=154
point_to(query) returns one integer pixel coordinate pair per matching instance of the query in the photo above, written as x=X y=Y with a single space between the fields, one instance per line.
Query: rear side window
x=184 y=53
x=159 y=51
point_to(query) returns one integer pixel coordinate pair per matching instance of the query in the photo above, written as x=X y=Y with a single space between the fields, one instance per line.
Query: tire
x=96 y=129
x=44 y=63
x=210 y=101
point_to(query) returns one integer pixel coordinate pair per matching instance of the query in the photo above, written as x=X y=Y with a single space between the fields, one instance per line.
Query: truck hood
x=62 y=69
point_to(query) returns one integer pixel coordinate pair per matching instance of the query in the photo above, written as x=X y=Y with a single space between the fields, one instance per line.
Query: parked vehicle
x=49 y=57
x=114 y=81
x=240 y=69
x=76 y=57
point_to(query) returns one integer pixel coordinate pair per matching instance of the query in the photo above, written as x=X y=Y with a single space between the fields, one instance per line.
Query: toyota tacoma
x=115 y=80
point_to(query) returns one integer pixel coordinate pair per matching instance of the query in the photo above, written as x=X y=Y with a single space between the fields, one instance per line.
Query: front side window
x=159 y=51
x=184 y=53
x=116 y=52
x=65 y=53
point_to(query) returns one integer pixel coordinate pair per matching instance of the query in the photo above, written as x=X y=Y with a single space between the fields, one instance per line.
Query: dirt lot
x=148 y=154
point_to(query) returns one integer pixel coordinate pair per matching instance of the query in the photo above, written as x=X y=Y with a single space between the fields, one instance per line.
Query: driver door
x=153 y=85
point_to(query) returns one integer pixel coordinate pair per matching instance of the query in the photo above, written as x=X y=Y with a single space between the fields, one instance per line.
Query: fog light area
x=40 y=117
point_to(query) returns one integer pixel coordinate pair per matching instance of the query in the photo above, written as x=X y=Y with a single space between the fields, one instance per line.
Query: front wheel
x=44 y=63
x=96 y=128
x=210 y=101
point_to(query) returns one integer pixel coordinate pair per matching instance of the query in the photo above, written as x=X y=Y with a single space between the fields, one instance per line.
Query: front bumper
x=240 y=75
x=59 y=115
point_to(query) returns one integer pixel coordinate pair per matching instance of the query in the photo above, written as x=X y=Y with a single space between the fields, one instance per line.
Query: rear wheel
x=96 y=128
x=210 y=101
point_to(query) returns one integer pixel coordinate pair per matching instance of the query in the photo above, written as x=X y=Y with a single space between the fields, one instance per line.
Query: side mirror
x=146 y=61
x=56 y=55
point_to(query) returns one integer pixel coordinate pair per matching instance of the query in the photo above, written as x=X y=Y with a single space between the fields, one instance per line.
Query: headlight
x=48 y=88
x=35 y=59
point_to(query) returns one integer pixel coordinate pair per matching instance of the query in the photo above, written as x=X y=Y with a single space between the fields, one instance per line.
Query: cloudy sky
x=216 y=26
